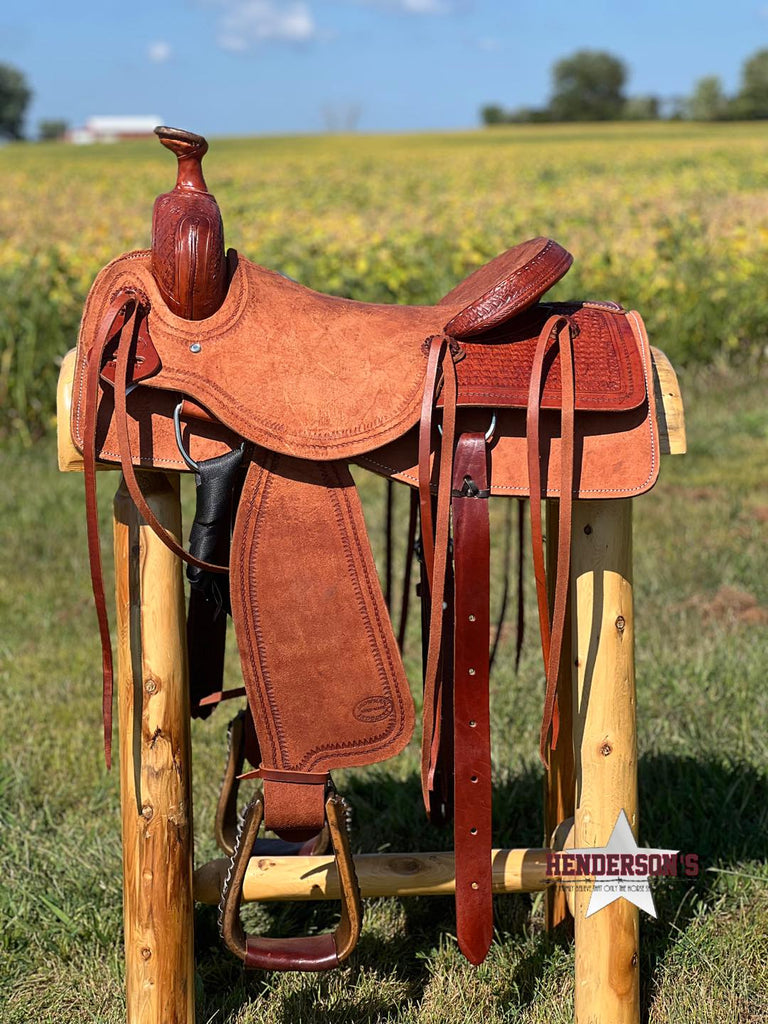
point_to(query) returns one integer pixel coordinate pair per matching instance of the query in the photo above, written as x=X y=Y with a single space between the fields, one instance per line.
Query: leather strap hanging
x=435 y=543
x=472 y=727
x=124 y=303
x=552 y=631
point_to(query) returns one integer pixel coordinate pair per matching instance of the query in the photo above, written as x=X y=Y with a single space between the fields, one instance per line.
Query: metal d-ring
x=488 y=434
x=180 y=440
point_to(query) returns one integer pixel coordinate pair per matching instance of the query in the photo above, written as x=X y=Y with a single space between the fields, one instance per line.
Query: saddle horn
x=188 y=259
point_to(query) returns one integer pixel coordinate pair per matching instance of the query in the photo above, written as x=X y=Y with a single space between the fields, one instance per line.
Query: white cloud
x=415 y=6
x=159 y=52
x=423 y=6
x=247 y=23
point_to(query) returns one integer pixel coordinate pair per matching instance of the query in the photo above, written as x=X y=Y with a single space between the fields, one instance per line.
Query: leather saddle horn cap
x=507 y=285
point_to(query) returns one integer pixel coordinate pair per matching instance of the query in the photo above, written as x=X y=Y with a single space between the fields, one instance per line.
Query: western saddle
x=192 y=360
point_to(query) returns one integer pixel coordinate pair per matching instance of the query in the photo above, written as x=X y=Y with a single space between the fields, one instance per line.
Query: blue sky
x=285 y=66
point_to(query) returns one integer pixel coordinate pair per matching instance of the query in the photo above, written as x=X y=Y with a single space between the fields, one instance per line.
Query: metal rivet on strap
x=195 y=347
x=471 y=618
x=471 y=671
x=472 y=724
x=475 y=885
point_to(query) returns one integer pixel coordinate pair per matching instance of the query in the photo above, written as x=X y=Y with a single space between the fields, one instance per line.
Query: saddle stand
x=193 y=360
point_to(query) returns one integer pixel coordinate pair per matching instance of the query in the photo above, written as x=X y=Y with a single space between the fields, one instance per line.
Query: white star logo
x=634 y=887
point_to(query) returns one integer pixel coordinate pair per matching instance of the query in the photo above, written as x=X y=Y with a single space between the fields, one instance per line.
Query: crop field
x=671 y=219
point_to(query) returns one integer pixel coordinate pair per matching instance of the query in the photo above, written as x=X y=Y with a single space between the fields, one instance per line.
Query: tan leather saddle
x=188 y=360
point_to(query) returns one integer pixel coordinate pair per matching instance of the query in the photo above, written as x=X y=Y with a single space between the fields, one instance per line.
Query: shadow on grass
x=716 y=809
x=712 y=808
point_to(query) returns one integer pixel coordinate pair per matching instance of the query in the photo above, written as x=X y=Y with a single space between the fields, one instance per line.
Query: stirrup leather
x=225 y=824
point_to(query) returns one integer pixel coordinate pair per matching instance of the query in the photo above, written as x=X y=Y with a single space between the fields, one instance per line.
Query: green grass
x=702 y=660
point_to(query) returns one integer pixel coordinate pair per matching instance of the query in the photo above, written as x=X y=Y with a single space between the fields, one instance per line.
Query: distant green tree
x=752 y=99
x=529 y=115
x=588 y=86
x=15 y=95
x=493 y=114
x=641 y=108
x=708 y=102
x=52 y=129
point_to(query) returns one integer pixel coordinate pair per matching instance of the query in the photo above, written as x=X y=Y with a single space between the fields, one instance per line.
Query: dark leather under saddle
x=269 y=391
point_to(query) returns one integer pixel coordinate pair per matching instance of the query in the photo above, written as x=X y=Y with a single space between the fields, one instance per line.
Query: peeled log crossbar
x=379 y=874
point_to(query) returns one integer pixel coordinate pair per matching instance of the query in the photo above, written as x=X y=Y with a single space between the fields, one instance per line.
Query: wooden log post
x=155 y=760
x=607 y=952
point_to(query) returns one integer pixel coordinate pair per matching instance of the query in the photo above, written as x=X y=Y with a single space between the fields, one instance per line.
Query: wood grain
x=607 y=972
x=155 y=767
x=396 y=874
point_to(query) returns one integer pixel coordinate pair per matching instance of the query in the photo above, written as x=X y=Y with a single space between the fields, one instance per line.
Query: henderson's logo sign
x=620 y=869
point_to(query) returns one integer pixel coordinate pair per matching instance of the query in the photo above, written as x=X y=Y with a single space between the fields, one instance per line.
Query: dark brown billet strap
x=413 y=517
x=472 y=725
x=506 y=573
x=436 y=561
x=122 y=301
x=388 y=546
x=552 y=632
x=310 y=953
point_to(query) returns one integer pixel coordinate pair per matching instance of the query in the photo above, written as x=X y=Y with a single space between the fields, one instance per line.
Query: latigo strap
x=472 y=725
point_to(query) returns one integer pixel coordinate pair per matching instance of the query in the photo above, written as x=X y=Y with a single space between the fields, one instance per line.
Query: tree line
x=590 y=85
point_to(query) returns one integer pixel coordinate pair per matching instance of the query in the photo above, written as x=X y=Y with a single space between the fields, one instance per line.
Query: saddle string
x=552 y=621
x=103 y=335
x=435 y=544
x=127 y=303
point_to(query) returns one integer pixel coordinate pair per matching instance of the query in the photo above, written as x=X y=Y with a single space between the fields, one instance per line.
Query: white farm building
x=114 y=128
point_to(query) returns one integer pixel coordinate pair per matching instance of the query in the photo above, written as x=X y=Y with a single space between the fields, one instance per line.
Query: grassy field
x=406 y=217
